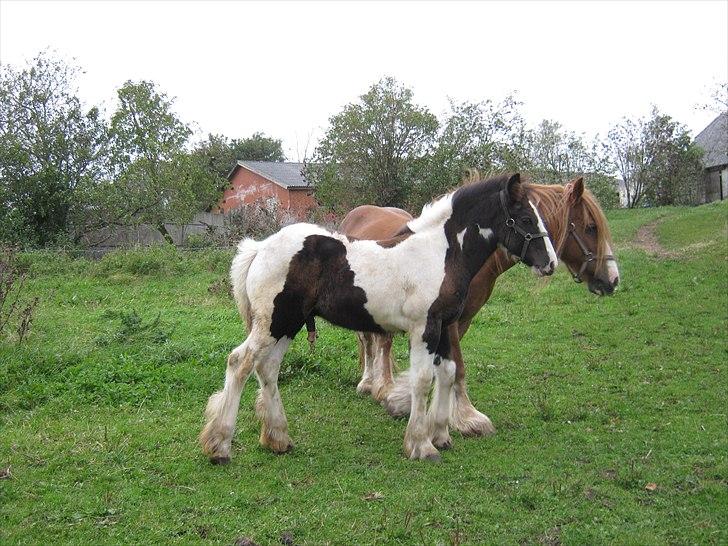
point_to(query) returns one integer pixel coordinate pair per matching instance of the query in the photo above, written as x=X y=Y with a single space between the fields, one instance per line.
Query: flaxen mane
x=553 y=203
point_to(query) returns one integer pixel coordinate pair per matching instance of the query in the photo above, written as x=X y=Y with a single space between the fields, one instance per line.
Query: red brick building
x=259 y=181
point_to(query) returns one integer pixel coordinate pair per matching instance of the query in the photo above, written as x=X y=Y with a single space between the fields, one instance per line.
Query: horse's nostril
x=616 y=282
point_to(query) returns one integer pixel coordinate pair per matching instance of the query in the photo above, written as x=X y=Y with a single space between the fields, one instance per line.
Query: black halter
x=588 y=254
x=511 y=225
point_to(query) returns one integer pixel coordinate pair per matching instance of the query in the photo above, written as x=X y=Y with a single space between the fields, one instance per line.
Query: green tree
x=220 y=154
x=156 y=181
x=674 y=171
x=655 y=159
x=473 y=136
x=52 y=152
x=374 y=150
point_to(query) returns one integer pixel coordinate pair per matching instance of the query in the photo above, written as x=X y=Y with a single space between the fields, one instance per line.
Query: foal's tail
x=247 y=250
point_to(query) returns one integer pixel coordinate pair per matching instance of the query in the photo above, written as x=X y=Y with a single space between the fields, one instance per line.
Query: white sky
x=285 y=68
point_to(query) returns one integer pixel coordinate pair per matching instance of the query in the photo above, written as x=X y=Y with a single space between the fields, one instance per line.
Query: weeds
x=132 y=329
x=13 y=307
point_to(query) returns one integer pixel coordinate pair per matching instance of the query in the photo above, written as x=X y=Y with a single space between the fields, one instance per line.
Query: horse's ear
x=576 y=188
x=515 y=190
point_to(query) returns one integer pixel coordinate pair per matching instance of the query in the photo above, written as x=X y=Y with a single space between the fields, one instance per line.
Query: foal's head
x=585 y=244
x=500 y=207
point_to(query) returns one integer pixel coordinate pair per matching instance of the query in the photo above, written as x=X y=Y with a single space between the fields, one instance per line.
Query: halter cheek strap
x=588 y=254
x=512 y=226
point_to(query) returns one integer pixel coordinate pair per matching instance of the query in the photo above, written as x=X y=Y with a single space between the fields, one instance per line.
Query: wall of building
x=715 y=179
x=247 y=187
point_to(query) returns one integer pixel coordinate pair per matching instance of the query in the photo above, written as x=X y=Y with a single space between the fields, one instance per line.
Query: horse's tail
x=247 y=250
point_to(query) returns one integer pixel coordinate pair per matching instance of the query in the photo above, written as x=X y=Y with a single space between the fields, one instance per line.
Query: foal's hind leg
x=383 y=366
x=366 y=360
x=222 y=407
x=268 y=406
x=463 y=415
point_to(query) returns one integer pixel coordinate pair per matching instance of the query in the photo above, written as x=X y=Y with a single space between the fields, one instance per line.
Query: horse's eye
x=591 y=229
x=527 y=220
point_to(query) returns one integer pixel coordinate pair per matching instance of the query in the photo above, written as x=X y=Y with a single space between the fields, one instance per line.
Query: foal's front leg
x=417 y=438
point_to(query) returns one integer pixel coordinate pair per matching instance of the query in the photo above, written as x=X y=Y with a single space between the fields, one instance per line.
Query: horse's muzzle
x=603 y=288
x=545 y=270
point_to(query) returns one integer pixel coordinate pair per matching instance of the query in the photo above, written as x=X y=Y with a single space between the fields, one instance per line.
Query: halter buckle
x=528 y=236
x=510 y=222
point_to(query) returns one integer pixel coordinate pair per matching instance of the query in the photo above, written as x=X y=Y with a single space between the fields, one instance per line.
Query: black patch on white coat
x=320 y=282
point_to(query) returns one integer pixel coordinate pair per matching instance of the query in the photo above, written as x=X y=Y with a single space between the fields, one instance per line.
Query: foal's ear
x=576 y=190
x=515 y=190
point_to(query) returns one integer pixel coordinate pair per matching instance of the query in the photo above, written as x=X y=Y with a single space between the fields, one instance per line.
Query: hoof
x=444 y=445
x=275 y=443
x=395 y=409
x=433 y=458
x=364 y=387
x=282 y=450
x=472 y=423
x=479 y=429
x=219 y=460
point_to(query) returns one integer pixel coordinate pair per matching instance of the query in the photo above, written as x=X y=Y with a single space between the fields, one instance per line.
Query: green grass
x=593 y=399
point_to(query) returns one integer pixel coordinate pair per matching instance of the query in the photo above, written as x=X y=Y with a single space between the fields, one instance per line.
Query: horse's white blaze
x=461 y=237
x=612 y=269
x=546 y=240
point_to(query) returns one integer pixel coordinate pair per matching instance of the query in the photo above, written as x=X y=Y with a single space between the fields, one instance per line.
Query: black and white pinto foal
x=414 y=283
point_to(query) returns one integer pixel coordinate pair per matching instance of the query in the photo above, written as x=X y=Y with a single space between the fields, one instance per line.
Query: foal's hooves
x=219 y=460
x=433 y=458
x=447 y=444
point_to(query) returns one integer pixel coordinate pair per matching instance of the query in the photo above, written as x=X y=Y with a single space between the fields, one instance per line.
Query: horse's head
x=520 y=229
x=586 y=243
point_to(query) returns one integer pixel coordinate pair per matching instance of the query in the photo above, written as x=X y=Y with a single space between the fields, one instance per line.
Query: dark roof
x=286 y=174
x=714 y=140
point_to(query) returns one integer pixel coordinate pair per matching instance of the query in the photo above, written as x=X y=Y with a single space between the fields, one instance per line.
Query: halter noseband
x=511 y=225
x=588 y=254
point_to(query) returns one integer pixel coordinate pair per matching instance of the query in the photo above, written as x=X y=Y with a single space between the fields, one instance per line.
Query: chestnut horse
x=415 y=284
x=580 y=232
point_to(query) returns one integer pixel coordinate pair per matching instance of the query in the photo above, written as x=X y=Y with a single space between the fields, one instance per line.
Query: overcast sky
x=284 y=68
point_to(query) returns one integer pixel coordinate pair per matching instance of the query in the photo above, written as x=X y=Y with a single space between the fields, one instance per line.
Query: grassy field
x=593 y=398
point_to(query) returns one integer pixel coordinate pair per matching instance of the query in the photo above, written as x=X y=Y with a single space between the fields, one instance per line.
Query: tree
x=673 y=173
x=220 y=154
x=374 y=150
x=718 y=102
x=52 y=152
x=258 y=148
x=474 y=135
x=655 y=159
x=156 y=181
x=625 y=148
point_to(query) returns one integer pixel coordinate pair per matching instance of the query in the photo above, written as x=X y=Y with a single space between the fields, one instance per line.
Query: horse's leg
x=399 y=399
x=417 y=442
x=441 y=404
x=268 y=406
x=366 y=361
x=222 y=407
x=463 y=416
x=383 y=364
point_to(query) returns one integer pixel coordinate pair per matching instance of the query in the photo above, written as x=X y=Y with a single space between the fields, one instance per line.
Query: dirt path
x=646 y=239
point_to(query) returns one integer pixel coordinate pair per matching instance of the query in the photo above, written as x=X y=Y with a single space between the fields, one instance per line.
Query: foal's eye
x=527 y=220
x=591 y=229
